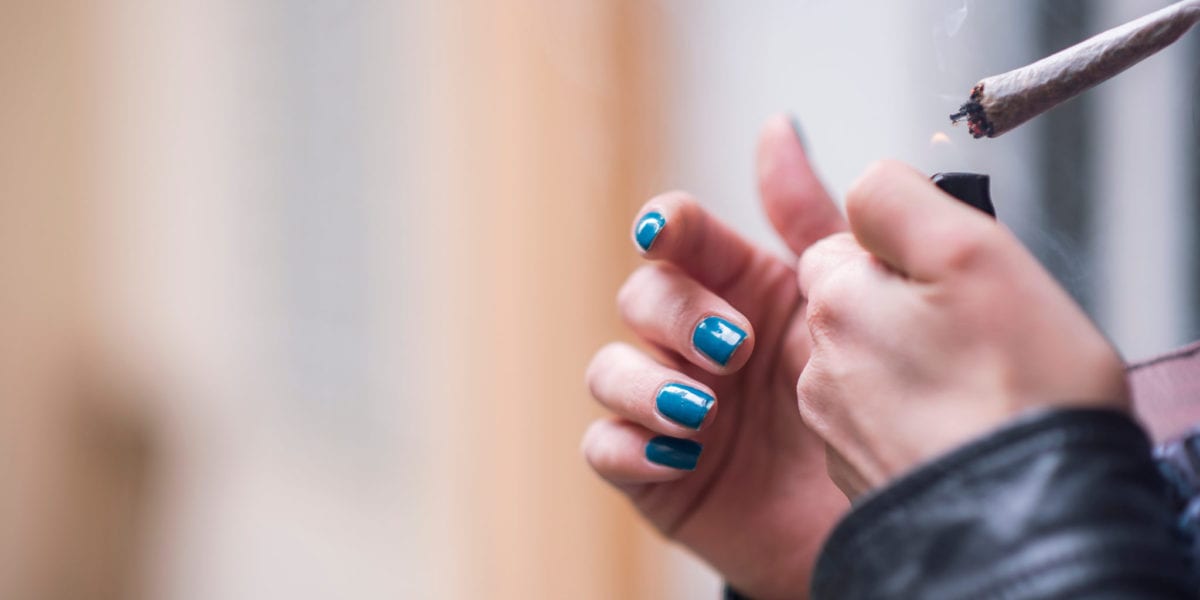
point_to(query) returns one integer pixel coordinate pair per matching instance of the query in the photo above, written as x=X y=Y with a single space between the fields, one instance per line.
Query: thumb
x=796 y=201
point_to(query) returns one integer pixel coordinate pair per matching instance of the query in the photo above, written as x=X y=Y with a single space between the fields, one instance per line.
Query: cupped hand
x=932 y=325
x=745 y=487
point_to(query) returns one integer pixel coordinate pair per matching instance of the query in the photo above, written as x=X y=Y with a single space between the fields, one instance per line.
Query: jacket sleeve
x=1058 y=504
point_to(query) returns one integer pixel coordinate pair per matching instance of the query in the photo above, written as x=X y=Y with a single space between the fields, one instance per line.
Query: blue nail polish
x=683 y=404
x=718 y=339
x=799 y=131
x=673 y=452
x=648 y=229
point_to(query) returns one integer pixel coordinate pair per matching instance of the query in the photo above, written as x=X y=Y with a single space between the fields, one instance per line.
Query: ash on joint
x=975 y=115
x=966 y=111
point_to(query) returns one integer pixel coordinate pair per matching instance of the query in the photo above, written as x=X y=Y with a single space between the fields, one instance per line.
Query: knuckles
x=652 y=293
x=822 y=317
x=964 y=249
x=812 y=398
x=594 y=448
x=602 y=365
x=823 y=256
x=628 y=297
x=833 y=294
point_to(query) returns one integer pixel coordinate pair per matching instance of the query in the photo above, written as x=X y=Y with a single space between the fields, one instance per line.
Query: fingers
x=794 y=198
x=899 y=216
x=673 y=227
x=849 y=293
x=670 y=309
x=825 y=257
x=626 y=453
x=635 y=387
x=657 y=409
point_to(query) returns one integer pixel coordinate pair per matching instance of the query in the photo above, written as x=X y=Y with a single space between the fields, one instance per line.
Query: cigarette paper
x=1003 y=102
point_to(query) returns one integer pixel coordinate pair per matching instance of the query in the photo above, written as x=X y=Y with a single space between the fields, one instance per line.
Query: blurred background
x=296 y=297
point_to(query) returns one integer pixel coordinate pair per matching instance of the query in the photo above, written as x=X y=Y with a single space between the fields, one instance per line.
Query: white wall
x=1145 y=196
x=875 y=79
x=867 y=80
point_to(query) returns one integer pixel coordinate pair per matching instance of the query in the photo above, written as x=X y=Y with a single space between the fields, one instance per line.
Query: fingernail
x=684 y=404
x=673 y=452
x=648 y=229
x=799 y=131
x=718 y=339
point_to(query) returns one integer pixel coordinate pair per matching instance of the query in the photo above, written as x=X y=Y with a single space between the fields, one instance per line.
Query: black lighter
x=973 y=189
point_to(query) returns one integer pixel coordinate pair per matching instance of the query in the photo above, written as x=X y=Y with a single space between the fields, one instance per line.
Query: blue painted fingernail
x=684 y=404
x=648 y=228
x=718 y=339
x=798 y=130
x=673 y=452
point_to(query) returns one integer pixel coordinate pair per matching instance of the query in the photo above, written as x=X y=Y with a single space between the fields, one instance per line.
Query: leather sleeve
x=1058 y=504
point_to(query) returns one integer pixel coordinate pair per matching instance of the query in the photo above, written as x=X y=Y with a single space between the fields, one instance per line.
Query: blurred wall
x=1100 y=188
x=74 y=455
x=343 y=263
x=296 y=296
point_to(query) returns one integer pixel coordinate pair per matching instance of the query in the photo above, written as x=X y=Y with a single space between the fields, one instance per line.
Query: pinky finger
x=626 y=453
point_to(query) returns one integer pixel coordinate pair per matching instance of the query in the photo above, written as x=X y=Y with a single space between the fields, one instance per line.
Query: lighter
x=972 y=189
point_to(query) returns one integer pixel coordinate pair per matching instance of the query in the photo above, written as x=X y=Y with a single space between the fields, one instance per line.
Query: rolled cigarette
x=1000 y=103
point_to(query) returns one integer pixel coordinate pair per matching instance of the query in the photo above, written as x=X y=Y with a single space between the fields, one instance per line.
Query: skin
x=929 y=312
x=924 y=312
x=759 y=503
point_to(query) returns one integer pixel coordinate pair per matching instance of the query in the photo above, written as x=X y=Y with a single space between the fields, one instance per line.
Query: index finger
x=675 y=228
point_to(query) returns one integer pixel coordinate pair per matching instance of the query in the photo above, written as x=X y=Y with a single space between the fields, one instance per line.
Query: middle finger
x=666 y=307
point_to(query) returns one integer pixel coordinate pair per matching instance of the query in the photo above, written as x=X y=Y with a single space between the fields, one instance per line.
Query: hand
x=758 y=503
x=932 y=325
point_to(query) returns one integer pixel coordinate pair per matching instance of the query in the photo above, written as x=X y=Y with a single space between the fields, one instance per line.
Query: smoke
x=953 y=21
x=950 y=24
x=1065 y=259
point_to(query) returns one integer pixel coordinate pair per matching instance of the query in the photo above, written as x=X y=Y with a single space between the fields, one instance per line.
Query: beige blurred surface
x=179 y=421
x=558 y=124
x=73 y=462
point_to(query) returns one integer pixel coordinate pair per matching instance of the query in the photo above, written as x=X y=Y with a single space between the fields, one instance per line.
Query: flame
x=940 y=138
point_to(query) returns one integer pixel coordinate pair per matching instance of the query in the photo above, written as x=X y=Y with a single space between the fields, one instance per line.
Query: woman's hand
x=931 y=326
x=726 y=324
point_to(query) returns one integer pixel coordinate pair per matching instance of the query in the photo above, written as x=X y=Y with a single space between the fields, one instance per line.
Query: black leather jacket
x=1062 y=504
x=1058 y=504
